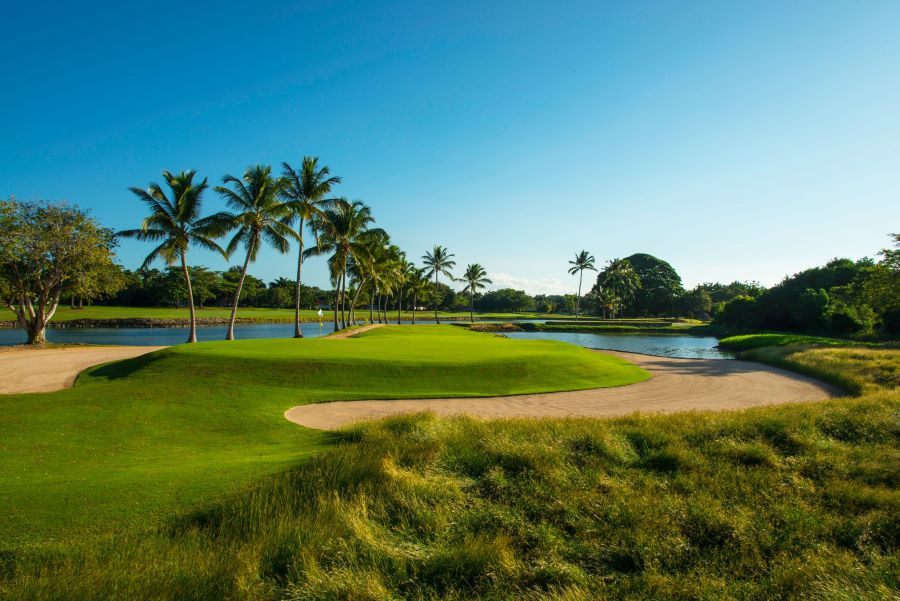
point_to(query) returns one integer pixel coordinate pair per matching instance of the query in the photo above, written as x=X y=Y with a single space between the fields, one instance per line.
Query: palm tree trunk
x=415 y=302
x=229 y=335
x=359 y=288
x=578 y=298
x=343 y=298
x=371 y=303
x=472 y=306
x=192 y=336
x=297 y=332
x=337 y=294
x=399 y=305
x=436 y=292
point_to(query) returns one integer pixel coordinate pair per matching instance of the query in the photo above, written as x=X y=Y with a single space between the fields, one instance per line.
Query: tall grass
x=856 y=370
x=793 y=502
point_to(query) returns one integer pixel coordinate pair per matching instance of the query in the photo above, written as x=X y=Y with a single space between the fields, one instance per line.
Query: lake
x=685 y=347
x=170 y=336
x=688 y=347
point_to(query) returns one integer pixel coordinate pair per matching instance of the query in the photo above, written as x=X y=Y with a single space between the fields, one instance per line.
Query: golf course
x=461 y=301
x=184 y=455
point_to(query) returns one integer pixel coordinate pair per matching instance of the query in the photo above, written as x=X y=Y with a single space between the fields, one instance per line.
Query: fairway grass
x=145 y=438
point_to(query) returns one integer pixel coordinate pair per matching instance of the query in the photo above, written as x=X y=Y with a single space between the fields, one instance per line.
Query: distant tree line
x=841 y=298
x=167 y=288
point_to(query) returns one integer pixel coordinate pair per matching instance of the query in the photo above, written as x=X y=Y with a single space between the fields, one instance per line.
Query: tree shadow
x=122 y=368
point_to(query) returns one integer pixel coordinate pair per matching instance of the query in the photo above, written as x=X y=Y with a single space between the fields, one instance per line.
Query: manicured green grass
x=751 y=341
x=155 y=435
x=793 y=502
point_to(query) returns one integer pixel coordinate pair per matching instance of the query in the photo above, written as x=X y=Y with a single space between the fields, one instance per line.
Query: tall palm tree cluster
x=615 y=284
x=296 y=206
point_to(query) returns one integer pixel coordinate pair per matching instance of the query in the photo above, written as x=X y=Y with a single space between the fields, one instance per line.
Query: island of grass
x=160 y=433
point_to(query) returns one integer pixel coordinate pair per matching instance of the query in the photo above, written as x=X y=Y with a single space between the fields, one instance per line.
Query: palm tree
x=363 y=268
x=401 y=273
x=345 y=233
x=583 y=260
x=620 y=277
x=260 y=216
x=437 y=262
x=306 y=190
x=420 y=287
x=176 y=224
x=475 y=278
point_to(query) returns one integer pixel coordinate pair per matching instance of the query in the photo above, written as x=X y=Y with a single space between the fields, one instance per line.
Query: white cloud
x=530 y=285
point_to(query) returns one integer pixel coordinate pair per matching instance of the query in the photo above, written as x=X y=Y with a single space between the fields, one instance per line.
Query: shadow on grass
x=120 y=369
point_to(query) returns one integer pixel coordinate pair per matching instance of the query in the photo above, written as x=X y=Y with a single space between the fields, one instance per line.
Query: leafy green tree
x=621 y=280
x=438 y=261
x=583 y=261
x=475 y=279
x=260 y=218
x=105 y=281
x=506 y=300
x=660 y=286
x=741 y=312
x=252 y=289
x=882 y=288
x=207 y=284
x=694 y=303
x=175 y=223
x=280 y=293
x=306 y=191
x=46 y=251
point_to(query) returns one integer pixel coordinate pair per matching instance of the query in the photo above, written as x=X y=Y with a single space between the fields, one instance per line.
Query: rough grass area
x=795 y=502
x=857 y=370
x=148 y=437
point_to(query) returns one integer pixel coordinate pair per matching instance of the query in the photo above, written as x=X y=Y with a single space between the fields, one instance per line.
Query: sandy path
x=677 y=385
x=359 y=330
x=45 y=370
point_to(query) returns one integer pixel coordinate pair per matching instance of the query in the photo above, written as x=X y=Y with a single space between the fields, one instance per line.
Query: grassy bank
x=793 y=502
x=746 y=342
x=156 y=435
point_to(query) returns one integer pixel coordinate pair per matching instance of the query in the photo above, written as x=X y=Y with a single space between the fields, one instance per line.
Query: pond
x=689 y=347
x=170 y=336
x=685 y=347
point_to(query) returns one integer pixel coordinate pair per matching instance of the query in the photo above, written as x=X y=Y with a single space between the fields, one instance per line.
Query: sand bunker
x=677 y=385
x=49 y=369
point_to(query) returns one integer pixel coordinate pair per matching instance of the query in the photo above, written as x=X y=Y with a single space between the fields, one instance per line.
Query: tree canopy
x=660 y=287
x=47 y=250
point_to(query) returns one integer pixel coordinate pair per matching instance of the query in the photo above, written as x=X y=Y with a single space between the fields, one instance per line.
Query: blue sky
x=735 y=140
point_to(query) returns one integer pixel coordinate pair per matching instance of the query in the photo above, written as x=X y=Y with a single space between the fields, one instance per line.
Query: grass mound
x=146 y=437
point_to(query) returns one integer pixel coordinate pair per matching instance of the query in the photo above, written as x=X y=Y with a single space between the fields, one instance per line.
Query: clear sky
x=735 y=140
